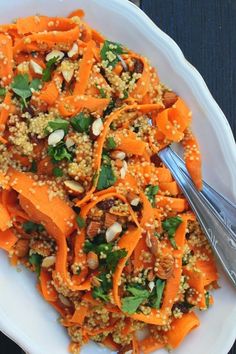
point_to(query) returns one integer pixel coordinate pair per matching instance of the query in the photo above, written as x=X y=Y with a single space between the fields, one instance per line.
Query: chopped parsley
x=2 y=91
x=110 y=53
x=101 y=292
x=151 y=192
x=157 y=293
x=80 y=222
x=23 y=88
x=110 y=143
x=170 y=225
x=59 y=152
x=50 y=66
x=56 y=124
x=106 y=177
x=36 y=260
x=33 y=167
x=114 y=257
x=130 y=304
x=57 y=172
x=81 y=123
x=30 y=226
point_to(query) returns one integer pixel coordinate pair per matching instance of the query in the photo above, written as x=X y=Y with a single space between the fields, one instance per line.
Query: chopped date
x=106 y=204
x=138 y=66
x=156 y=160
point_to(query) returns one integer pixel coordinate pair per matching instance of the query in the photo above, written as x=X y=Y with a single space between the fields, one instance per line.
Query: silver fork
x=215 y=213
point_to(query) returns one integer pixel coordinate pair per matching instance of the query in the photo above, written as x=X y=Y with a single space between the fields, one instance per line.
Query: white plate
x=24 y=316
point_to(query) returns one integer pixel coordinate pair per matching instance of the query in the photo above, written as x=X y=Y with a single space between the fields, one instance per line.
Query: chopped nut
x=113 y=232
x=64 y=300
x=109 y=220
x=36 y=67
x=133 y=198
x=73 y=187
x=22 y=248
x=169 y=98
x=153 y=243
x=117 y=154
x=151 y=285
x=55 y=54
x=106 y=204
x=97 y=127
x=123 y=170
x=93 y=229
x=92 y=260
x=67 y=70
x=55 y=137
x=73 y=51
x=165 y=266
x=48 y=261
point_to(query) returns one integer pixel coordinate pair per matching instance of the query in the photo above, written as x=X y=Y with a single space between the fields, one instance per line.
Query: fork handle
x=220 y=236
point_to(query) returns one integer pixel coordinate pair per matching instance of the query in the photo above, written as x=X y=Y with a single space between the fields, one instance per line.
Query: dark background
x=205 y=30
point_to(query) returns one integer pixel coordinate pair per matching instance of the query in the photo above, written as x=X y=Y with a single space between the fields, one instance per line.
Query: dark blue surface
x=206 y=32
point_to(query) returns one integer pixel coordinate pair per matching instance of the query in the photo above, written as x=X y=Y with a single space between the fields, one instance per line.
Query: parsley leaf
x=49 y=68
x=110 y=52
x=56 y=124
x=151 y=192
x=110 y=143
x=170 y=225
x=23 y=88
x=102 y=93
x=131 y=303
x=33 y=167
x=30 y=226
x=80 y=222
x=109 y=109
x=114 y=257
x=36 y=260
x=57 y=172
x=35 y=84
x=106 y=177
x=2 y=91
x=59 y=152
x=101 y=292
x=97 y=248
x=156 y=295
x=81 y=123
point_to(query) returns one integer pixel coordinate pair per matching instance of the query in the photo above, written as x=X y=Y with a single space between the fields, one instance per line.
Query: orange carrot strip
x=7 y=239
x=192 y=157
x=48 y=291
x=78 y=12
x=110 y=344
x=167 y=128
x=142 y=84
x=149 y=344
x=72 y=105
x=34 y=24
x=130 y=144
x=80 y=314
x=50 y=92
x=5 y=110
x=180 y=328
x=6 y=59
x=175 y=204
x=84 y=71
x=5 y=219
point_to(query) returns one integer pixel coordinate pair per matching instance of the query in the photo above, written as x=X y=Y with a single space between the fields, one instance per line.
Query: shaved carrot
x=7 y=239
x=5 y=111
x=48 y=292
x=6 y=72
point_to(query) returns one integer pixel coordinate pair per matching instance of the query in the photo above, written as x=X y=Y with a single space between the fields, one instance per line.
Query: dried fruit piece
x=164 y=266
x=92 y=260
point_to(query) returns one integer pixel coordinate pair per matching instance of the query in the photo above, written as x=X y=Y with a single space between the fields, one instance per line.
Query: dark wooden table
x=206 y=32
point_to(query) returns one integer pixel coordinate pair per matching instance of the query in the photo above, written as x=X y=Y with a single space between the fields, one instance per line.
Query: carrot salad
x=85 y=202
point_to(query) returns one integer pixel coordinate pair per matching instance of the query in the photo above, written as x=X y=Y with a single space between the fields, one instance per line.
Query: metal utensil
x=225 y=208
x=220 y=236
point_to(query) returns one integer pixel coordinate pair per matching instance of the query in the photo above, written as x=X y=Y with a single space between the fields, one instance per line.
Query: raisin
x=181 y=306
x=106 y=204
x=156 y=160
x=138 y=66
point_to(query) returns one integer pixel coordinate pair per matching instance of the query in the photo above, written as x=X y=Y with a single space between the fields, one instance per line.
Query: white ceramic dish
x=24 y=316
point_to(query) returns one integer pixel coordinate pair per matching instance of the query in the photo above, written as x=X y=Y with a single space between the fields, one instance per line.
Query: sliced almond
x=93 y=229
x=117 y=154
x=169 y=98
x=113 y=232
x=69 y=143
x=73 y=51
x=67 y=70
x=92 y=260
x=64 y=300
x=23 y=67
x=123 y=170
x=74 y=187
x=55 y=54
x=97 y=127
x=55 y=137
x=48 y=261
x=36 y=67
x=151 y=285
x=109 y=220
x=133 y=198
x=153 y=243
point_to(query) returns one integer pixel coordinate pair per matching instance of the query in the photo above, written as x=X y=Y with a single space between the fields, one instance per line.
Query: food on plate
x=85 y=202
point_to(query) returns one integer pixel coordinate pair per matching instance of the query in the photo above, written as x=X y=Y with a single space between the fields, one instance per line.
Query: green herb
x=106 y=158
x=49 y=68
x=207 y=299
x=105 y=248
x=106 y=177
x=101 y=292
x=81 y=123
x=102 y=93
x=2 y=91
x=110 y=52
x=36 y=260
x=33 y=167
x=126 y=94
x=23 y=88
x=57 y=172
x=109 y=109
x=78 y=270
x=80 y=222
x=110 y=143
x=131 y=303
x=56 y=124
x=59 y=152
x=151 y=192
x=170 y=225
x=157 y=293
x=114 y=257
x=30 y=226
